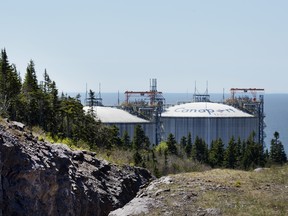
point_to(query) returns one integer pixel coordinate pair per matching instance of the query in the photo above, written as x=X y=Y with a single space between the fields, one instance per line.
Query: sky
x=122 y=44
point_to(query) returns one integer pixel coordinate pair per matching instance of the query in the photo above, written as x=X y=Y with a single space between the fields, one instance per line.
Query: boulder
x=39 y=178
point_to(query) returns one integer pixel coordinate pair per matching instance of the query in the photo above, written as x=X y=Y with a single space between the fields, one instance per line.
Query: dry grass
x=246 y=193
x=116 y=156
x=230 y=192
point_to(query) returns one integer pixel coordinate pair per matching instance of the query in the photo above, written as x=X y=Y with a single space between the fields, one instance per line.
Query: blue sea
x=275 y=108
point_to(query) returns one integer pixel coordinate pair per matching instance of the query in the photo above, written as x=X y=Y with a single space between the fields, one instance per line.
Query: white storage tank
x=123 y=120
x=208 y=121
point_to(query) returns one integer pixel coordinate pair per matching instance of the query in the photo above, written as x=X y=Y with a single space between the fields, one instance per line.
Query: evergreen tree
x=71 y=118
x=230 y=158
x=171 y=144
x=254 y=153
x=10 y=85
x=188 y=148
x=238 y=152
x=30 y=84
x=277 y=152
x=49 y=105
x=242 y=154
x=200 y=150
x=216 y=153
x=114 y=139
x=257 y=156
x=140 y=140
x=165 y=160
x=91 y=101
x=54 y=108
x=5 y=70
x=137 y=158
x=31 y=96
x=126 y=140
x=156 y=171
x=183 y=142
x=47 y=82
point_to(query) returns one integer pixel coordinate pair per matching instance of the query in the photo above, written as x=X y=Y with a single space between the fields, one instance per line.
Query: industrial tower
x=148 y=105
x=254 y=106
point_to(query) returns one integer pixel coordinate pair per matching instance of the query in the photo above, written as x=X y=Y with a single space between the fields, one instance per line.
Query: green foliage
x=200 y=150
x=183 y=142
x=10 y=86
x=188 y=147
x=277 y=152
x=64 y=120
x=30 y=84
x=171 y=144
x=126 y=140
x=230 y=158
x=216 y=153
x=161 y=147
x=137 y=158
x=253 y=154
x=39 y=105
x=140 y=140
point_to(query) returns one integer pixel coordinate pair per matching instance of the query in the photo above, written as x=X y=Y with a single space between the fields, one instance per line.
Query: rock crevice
x=39 y=178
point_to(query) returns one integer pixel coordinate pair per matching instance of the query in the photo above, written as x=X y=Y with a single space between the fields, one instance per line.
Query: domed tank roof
x=114 y=115
x=204 y=109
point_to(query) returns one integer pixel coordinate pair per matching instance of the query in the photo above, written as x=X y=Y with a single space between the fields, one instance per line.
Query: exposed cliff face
x=38 y=178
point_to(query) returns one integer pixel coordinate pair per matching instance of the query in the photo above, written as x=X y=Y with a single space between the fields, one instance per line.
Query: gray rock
x=16 y=125
x=260 y=169
x=137 y=206
x=39 y=178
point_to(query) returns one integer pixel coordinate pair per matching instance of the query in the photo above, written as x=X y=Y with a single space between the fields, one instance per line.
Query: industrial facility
x=124 y=120
x=209 y=121
x=238 y=116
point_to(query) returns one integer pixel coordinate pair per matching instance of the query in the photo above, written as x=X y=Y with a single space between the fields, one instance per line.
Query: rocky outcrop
x=39 y=178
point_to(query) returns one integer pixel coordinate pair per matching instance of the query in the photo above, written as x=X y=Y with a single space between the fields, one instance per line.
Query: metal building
x=123 y=120
x=208 y=121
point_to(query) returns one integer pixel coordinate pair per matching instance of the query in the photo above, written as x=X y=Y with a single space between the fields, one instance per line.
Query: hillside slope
x=214 y=192
x=39 y=178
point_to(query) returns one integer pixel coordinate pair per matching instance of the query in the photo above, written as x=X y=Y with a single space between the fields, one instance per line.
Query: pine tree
x=91 y=100
x=30 y=84
x=54 y=104
x=126 y=140
x=137 y=158
x=47 y=82
x=238 y=152
x=156 y=171
x=114 y=139
x=188 y=148
x=216 y=153
x=183 y=142
x=277 y=152
x=140 y=140
x=230 y=158
x=10 y=86
x=200 y=150
x=171 y=144
x=254 y=154
x=31 y=96
x=5 y=68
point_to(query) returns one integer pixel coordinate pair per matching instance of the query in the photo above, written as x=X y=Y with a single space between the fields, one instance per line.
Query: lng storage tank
x=238 y=117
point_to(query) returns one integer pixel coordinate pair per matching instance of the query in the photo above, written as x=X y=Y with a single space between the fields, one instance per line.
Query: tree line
x=237 y=154
x=39 y=104
x=163 y=158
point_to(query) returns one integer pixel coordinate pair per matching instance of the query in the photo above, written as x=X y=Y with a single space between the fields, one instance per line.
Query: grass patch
x=254 y=193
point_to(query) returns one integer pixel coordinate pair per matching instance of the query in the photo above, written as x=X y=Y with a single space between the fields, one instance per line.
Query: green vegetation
x=62 y=119
x=224 y=191
x=247 y=193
